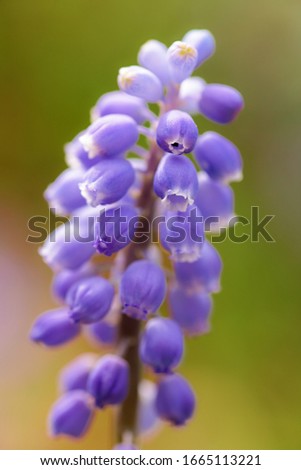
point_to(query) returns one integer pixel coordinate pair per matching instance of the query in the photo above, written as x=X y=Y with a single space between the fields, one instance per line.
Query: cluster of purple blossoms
x=126 y=170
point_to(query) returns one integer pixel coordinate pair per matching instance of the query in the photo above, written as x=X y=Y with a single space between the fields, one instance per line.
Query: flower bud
x=109 y=381
x=176 y=132
x=203 y=275
x=204 y=43
x=63 y=280
x=182 y=59
x=76 y=156
x=71 y=245
x=63 y=194
x=175 y=400
x=161 y=345
x=191 y=311
x=182 y=234
x=140 y=82
x=103 y=332
x=118 y=102
x=218 y=157
x=115 y=228
x=220 y=103
x=142 y=289
x=54 y=328
x=90 y=299
x=71 y=414
x=107 y=182
x=176 y=182
x=153 y=56
x=216 y=203
x=190 y=94
x=110 y=135
x=75 y=375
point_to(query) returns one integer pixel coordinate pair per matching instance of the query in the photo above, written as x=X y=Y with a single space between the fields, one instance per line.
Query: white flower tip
x=86 y=141
x=177 y=201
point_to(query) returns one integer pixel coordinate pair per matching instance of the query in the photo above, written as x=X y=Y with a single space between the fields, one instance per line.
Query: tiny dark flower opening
x=175 y=144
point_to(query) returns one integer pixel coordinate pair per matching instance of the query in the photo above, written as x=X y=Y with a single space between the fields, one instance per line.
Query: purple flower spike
x=182 y=60
x=63 y=194
x=216 y=202
x=176 y=182
x=153 y=56
x=176 y=132
x=107 y=182
x=54 y=328
x=175 y=400
x=182 y=234
x=103 y=332
x=142 y=289
x=75 y=375
x=218 y=157
x=115 y=229
x=63 y=280
x=191 y=311
x=90 y=299
x=161 y=345
x=110 y=135
x=190 y=94
x=203 y=275
x=204 y=43
x=71 y=414
x=118 y=102
x=109 y=381
x=220 y=103
x=140 y=82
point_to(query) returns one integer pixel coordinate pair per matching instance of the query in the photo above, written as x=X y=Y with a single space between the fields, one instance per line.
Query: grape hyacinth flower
x=117 y=102
x=142 y=289
x=140 y=82
x=107 y=182
x=161 y=345
x=202 y=275
x=182 y=60
x=182 y=234
x=108 y=381
x=114 y=230
x=63 y=280
x=176 y=182
x=90 y=299
x=75 y=375
x=110 y=135
x=176 y=132
x=220 y=103
x=152 y=55
x=103 y=332
x=71 y=414
x=63 y=194
x=204 y=43
x=190 y=310
x=190 y=94
x=215 y=200
x=116 y=284
x=218 y=157
x=54 y=328
x=175 y=401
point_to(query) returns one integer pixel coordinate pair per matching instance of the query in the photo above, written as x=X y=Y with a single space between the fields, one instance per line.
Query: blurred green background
x=57 y=57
